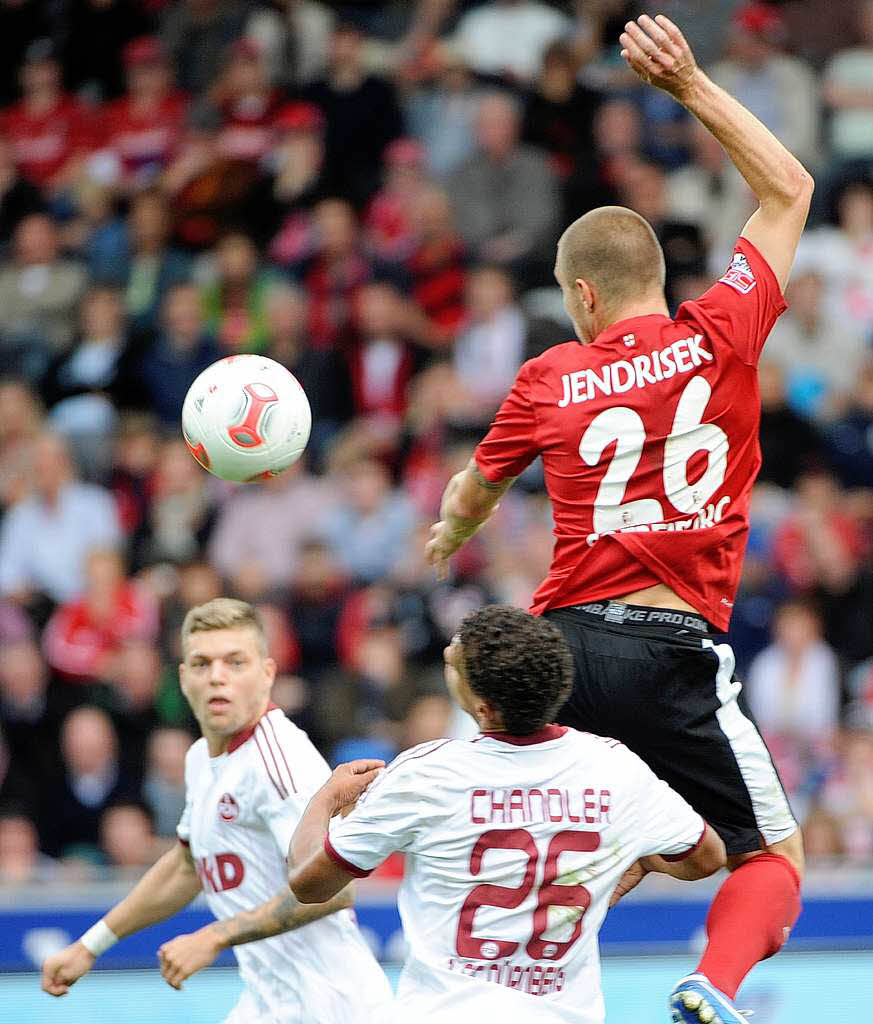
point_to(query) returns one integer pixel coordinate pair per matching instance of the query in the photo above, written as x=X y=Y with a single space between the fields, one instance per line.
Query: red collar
x=617 y=331
x=548 y=732
x=239 y=738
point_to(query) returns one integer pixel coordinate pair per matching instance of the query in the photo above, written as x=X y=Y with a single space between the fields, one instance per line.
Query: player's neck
x=218 y=744
x=651 y=305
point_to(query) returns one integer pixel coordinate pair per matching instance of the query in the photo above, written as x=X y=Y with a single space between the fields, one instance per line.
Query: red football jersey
x=43 y=144
x=649 y=440
x=144 y=141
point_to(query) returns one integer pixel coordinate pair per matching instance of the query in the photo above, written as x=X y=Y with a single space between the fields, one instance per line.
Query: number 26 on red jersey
x=688 y=435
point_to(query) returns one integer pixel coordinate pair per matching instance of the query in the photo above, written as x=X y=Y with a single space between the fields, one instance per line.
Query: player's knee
x=792 y=850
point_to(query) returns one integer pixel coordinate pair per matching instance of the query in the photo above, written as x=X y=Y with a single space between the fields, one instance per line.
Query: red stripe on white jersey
x=283 y=793
x=278 y=746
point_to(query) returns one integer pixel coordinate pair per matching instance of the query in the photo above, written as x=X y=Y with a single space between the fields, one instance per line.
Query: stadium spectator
x=144 y=127
x=789 y=443
x=491 y=345
x=181 y=350
x=45 y=538
x=287 y=509
x=196 y=34
x=851 y=435
x=507 y=37
x=369 y=525
x=316 y=603
x=794 y=685
x=21 y=862
x=381 y=358
x=848 y=93
x=84 y=638
x=820 y=544
x=181 y=511
x=821 y=358
x=96 y=34
x=39 y=296
x=335 y=274
x=21 y=421
x=152 y=266
x=388 y=229
x=437 y=264
x=92 y=780
x=49 y=130
x=279 y=209
x=235 y=301
x=363 y=115
x=442 y=111
x=794 y=693
x=127 y=839
x=209 y=193
x=842 y=252
x=559 y=115
x=85 y=386
x=30 y=717
x=848 y=795
x=506 y=197
x=247 y=103
x=323 y=373
x=779 y=89
x=164 y=783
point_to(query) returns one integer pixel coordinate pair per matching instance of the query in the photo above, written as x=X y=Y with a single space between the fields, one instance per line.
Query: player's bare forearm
x=467 y=504
x=658 y=52
x=169 y=885
x=283 y=913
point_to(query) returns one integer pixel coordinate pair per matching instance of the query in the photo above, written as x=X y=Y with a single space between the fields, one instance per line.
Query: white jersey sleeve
x=386 y=818
x=666 y=823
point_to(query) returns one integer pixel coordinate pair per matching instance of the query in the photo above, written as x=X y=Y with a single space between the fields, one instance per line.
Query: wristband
x=98 y=938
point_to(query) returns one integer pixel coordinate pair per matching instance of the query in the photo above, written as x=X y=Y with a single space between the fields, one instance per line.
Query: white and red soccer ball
x=246 y=418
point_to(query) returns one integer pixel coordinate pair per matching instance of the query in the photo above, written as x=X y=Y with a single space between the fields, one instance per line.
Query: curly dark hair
x=518 y=663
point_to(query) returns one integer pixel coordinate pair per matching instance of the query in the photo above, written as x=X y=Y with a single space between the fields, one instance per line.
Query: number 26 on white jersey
x=688 y=436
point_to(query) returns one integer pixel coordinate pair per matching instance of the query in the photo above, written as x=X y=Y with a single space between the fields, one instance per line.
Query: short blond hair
x=617 y=251
x=223 y=613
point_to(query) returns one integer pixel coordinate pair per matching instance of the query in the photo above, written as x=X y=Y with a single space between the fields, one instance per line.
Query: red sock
x=749 y=919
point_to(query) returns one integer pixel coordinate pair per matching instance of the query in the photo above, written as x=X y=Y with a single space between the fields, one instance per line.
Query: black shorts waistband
x=620 y=614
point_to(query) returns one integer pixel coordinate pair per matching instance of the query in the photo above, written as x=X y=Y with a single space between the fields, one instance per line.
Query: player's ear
x=586 y=294
x=270 y=668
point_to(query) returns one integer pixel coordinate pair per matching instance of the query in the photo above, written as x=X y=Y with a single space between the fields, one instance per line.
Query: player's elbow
x=306 y=887
x=709 y=857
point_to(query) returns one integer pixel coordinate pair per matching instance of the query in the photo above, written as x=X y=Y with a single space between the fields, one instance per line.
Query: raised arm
x=658 y=53
x=169 y=885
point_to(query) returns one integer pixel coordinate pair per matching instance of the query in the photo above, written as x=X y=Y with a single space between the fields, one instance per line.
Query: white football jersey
x=513 y=847
x=240 y=813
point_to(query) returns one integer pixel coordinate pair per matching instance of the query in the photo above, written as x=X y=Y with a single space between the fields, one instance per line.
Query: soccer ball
x=246 y=418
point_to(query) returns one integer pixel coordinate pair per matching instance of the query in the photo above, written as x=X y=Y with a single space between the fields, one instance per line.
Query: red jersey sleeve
x=510 y=445
x=742 y=306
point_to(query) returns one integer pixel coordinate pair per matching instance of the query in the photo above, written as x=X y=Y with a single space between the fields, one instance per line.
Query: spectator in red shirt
x=437 y=264
x=83 y=638
x=49 y=130
x=248 y=104
x=388 y=222
x=337 y=272
x=144 y=127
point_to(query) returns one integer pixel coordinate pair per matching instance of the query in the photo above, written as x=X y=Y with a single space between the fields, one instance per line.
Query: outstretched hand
x=658 y=52
x=349 y=780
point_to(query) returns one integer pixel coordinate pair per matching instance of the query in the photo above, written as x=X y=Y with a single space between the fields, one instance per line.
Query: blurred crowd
x=370 y=193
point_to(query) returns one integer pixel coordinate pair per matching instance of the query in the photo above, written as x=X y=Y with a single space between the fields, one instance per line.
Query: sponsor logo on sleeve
x=739 y=274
